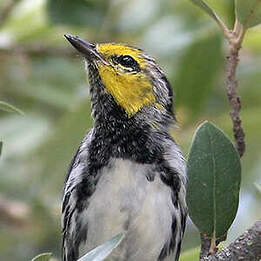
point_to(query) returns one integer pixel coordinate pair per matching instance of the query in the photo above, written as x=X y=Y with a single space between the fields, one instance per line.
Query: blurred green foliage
x=77 y=12
x=190 y=255
x=195 y=62
x=45 y=78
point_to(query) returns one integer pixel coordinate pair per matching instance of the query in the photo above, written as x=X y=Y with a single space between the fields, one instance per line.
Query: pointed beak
x=88 y=50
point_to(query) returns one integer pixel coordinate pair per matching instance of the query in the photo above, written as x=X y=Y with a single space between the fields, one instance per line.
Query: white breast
x=124 y=200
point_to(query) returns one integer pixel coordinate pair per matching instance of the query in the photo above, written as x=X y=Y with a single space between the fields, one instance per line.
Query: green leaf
x=42 y=257
x=77 y=12
x=1 y=145
x=248 y=12
x=101 y=252
x=214 y=175
x=4 y=106
x=205 y=8
x=225 y=9
x=197 y=72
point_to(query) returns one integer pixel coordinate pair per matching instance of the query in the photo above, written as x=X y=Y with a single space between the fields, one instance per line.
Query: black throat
x=116 y=135
x=122 y=137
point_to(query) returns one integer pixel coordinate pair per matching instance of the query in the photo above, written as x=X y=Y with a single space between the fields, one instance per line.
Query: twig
x=246 y=247
x=235 y=38
x=234 y=100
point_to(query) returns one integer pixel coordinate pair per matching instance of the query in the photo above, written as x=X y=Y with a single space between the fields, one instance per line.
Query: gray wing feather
x=76 y=171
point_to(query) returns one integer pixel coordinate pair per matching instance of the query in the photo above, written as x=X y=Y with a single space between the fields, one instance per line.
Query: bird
x=128 y=174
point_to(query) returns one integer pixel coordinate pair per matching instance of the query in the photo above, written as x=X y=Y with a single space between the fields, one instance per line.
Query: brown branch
x=7 y=9
x=209 y=246
x=205 y=246
x=246 y=247
x=235 y=38
x=234 y=100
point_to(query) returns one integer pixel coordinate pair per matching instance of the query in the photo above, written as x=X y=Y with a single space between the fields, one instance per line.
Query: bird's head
x=132 y=78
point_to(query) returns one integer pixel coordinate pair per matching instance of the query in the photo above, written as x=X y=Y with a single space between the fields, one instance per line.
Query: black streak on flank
x=170 y=178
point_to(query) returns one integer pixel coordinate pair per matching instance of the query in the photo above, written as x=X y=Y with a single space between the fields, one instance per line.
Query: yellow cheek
x=130 y=91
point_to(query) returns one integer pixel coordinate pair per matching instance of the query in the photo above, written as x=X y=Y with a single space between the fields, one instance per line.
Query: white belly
x=125 y=201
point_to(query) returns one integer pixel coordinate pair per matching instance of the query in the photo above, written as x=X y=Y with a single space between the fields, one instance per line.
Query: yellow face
x=124 y=78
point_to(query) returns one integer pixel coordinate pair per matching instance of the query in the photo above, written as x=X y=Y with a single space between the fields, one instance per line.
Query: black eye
x=128 y=61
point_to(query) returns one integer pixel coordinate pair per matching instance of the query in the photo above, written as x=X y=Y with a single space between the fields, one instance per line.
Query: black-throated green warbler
x=128 y=174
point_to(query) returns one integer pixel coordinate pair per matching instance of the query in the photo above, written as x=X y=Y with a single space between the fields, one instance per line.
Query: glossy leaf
x=4 y=106
x=101 y=252
x=77 y=12
x=214 y=174
x=224 y=9
x=197 y=72
x=43 y=257
x=205 y=7
x=248 y=12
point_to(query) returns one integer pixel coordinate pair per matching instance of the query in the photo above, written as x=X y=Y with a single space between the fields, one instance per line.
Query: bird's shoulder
x=174 y=158
x=80 y=156
x=78 y=165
